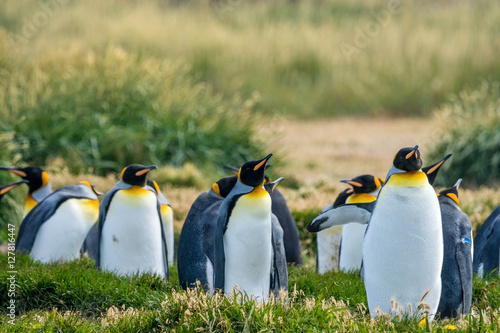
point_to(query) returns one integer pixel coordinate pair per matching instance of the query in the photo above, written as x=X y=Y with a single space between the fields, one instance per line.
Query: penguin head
x=452 y=193
x=6 y=188
x=408 y=159
x=223 y=186
x=236 y=170
x=91 y=186
x=252 y=172
x=136 y=174
x=363 y=183
x=36 y=177
x=270 y=186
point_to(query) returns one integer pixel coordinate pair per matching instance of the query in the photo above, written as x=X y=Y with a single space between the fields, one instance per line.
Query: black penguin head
x=432 y=170
x=136 y=174
x=408 y=159
x=6 y=188
x=452 y=193
x=270 y=186
x=235 y=171
x=252 y=172
x=36 y=177
x=223 y=186
x=363 y=184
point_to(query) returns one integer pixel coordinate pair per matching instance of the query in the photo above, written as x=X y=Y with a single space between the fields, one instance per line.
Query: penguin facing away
x=403 y=236
x=456 y=274
x=280 y=208
x=56 y=227
x=167 y=216
x=38 y=183
x=130 y=229
x=486 y=245
x=4 y=189
x=196 y=248
x=244 y=264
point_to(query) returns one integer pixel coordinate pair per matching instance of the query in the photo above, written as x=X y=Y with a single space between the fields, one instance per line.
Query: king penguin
x=280 y=208
x=403 y=244
x=130 y=229
x=4 y=189
x=365 y=188
x=486 y=246
x=196 y=249
x=244 y=246
x=167 y=216
x=38 y=183
x=456 y=274
x=56 y=227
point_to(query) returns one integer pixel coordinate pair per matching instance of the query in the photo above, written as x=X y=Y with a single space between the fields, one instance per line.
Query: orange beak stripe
x=258 y=166
x=19 y=173
x=142 y=172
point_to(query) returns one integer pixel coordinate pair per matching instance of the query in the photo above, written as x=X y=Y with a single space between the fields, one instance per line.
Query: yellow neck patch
x=258 y=192
x=409 y=178
x=136 y=190
x=45 y=178
x=29 y=204
x=361 y=197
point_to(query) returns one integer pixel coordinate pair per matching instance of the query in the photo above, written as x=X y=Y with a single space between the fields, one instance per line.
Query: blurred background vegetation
x=105 y=84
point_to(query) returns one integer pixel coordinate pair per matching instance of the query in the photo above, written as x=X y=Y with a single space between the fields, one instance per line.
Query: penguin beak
x=437 y=165
x=232 y=169
x=414 y=151
x=146 y=170
x=262 y=162
x=351 y=182
x=9 y=187
x=457 y=184
x=277 y=181
x=15 y=171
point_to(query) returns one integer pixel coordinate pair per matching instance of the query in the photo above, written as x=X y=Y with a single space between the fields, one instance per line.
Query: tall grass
x=469 y=128
x=100 y=111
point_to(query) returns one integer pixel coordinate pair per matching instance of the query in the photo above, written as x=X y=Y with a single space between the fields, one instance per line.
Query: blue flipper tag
x=465 y=240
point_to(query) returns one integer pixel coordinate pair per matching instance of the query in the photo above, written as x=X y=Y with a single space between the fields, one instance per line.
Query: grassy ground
x=75 y=297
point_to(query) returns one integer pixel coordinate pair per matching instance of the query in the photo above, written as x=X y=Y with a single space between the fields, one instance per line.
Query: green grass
x=469 y=128
x=75 y=297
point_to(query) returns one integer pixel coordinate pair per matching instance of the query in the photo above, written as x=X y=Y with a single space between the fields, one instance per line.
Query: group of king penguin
x=414 y=248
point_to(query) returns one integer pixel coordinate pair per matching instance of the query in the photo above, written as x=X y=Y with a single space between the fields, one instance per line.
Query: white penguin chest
x=62 y=235
x=131 y=240
x=248 y=246
x=403 y=249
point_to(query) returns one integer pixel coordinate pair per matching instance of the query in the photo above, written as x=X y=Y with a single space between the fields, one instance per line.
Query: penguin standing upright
x=486 y=246
x=167 y=216
x=130 y=230
x=56 y=227
x=365 y=188
x=244 y=237
x=4 y=189
x=280 y=208
x=456 y=274
x=403 y=244
x=38 y=183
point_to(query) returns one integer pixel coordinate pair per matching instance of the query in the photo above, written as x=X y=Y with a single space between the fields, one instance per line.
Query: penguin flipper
x=343 y=214
x=163 y=242
x=279 y=273
x=103 y=209
x=90 y=243
x=464 y=260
